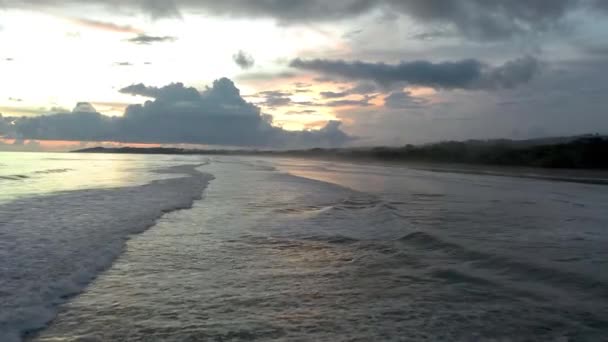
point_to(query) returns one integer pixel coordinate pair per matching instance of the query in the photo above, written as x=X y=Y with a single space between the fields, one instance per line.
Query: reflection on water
x=368 y=253
x=28 y=174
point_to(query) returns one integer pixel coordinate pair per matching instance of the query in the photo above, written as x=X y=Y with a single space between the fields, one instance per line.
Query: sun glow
x=81 y=59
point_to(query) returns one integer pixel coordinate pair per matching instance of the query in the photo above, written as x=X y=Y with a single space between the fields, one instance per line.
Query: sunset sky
x=285 y=74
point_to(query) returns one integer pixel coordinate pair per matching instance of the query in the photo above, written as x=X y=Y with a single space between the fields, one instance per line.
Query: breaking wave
x=21 y=177
x=68 y=238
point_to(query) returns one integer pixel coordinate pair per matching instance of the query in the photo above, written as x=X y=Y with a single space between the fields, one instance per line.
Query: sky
x=299 y=74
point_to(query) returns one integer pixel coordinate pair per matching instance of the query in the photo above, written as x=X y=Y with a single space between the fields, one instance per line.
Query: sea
x=117 y=247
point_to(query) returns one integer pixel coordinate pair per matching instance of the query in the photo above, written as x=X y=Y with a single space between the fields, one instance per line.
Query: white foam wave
x=52 y=247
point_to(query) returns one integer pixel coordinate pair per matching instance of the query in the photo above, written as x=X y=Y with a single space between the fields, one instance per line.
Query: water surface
x=291 y=249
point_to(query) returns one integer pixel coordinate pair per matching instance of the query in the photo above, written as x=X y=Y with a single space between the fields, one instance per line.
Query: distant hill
x=581 y=152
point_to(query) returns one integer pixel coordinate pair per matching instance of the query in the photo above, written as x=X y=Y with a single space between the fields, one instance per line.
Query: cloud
x=301 y=112
x=264 y=76
x=243 y=60
x=403 y=100
x=480 y=19
x=567 y=100
x=275 y=98
x=302 y=85
x=106 y=26
x=510 y=74
x=601 y=5
x=334 y=95
x=27 y=110
x=144 y=39
x=278 y=98
x=5 y=126
x=315 y=124
x=352 y=34
x=490 y=19
x=178 y=114
x=19 y=145
x=84 y=107
x=173 y=92
x=595 y=50
x=364 y=102
x=464 y=74
x=433 y=34
x=360 y=89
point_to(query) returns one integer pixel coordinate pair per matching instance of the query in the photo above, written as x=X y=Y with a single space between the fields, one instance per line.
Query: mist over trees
x=586 y=152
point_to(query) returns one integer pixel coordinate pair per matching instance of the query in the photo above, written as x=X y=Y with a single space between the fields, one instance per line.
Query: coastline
x=580 y=175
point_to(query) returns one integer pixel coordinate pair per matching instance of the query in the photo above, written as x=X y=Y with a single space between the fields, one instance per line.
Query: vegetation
x=586 y=152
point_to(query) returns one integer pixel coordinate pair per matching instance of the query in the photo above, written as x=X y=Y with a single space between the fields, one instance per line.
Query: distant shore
x=579 y=159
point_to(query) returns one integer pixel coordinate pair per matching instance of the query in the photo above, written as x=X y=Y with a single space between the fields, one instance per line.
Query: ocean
x=108 y=247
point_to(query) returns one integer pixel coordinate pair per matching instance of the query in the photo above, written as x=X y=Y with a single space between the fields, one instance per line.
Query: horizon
x=81 y=146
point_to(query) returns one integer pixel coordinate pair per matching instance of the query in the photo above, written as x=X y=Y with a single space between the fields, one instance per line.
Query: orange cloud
x=62 y=145
x=106 y=26
x=315 y=124
x=421 y=91
x=110 y=108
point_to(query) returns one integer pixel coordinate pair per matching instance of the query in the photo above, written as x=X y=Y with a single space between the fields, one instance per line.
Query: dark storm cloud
x=177 y=114
x=464 y=74
x=490 y=19
x=243 y=60
x=601 y=5
x=482 y=19
x=144 y=39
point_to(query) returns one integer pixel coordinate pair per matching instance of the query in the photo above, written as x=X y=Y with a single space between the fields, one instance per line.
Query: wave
x=20 y=177
x=258 y=165
x=335 y=239
x=358 y=201
x=507 y=268
x=309 y=209
x=14 y=177
x=72 y=236
x=50 y=171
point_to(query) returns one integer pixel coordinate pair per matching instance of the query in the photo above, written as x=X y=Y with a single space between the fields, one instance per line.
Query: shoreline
x=585 y=176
